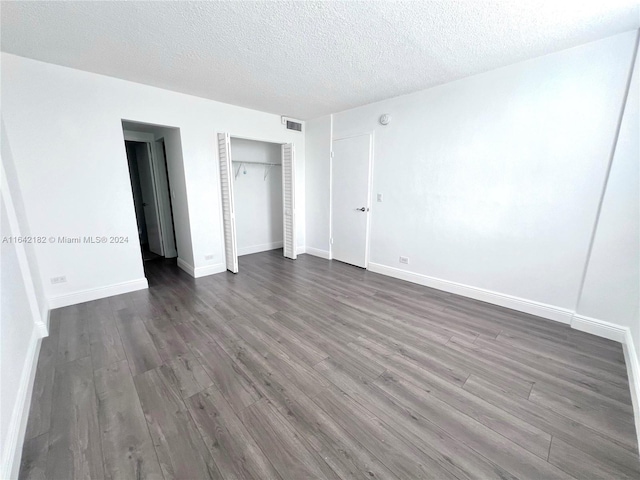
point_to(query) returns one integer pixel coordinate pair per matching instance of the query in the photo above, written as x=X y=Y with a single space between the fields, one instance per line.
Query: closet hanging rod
x=267 y=167
x=257 y=163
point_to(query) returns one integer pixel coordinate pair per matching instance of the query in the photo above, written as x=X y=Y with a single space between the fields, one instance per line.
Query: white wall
x=69 y=193
x=23 y=319
x=258 y=201
x=493 y=181
x=317 y=180
x=611 y=289
x=612 y=283
x=16 y=331
x=11 y=189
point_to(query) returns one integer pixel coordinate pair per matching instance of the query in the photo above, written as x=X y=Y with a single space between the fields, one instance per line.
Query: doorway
x=257 y=192
x=351 y=199
x=151 y=189
x=258 y=197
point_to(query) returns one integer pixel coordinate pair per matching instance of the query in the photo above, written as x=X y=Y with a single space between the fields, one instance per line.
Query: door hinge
x=331 y=241
x=331 y=154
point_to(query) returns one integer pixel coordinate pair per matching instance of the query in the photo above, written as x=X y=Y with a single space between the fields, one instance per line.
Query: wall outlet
x=56 y=280
x=404 y=260
x=380 y=197
x=208 y=257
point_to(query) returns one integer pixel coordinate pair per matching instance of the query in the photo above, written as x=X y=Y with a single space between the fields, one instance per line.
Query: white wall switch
x=404 y=260
x=380 y=197
x=208 y=257
x=56 y=280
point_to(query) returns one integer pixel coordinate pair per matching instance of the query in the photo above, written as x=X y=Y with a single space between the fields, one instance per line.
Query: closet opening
x=152 y=152
x=257 y=175
x=258 y=197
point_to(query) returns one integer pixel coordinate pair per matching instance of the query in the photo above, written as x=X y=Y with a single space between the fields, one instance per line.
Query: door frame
x=167 y=226
x=372 y=138
x=149 y=139
x=280 y=142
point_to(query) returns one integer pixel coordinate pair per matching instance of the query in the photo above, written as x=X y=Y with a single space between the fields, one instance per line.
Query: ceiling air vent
x=292 y=124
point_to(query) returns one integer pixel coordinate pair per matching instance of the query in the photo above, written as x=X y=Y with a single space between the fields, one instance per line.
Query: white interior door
x=149 y=198
x=228 y=210
x=289 y=200
x=351 y=199
x=164 y=201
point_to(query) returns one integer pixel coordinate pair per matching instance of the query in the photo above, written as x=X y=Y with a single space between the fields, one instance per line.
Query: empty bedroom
x=320 y=240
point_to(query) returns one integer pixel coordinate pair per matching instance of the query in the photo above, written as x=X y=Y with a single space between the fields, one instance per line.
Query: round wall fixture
x=385 y=119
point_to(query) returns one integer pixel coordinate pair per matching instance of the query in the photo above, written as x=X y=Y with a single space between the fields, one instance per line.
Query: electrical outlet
x=380 y=197
x=208 y=257
x=404 y=260
x=56 y=280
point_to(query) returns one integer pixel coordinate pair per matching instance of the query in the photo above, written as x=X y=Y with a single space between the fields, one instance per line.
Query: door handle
x=362 y=209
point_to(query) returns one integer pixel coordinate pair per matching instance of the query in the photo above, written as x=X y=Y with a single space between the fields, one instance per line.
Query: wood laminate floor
x=315 y=369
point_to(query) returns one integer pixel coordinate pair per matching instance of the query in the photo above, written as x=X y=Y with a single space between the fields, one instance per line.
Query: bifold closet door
x=289 y=200
x=228 y=209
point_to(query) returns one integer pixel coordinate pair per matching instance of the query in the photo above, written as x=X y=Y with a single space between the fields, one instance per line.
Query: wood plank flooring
x=315 y=369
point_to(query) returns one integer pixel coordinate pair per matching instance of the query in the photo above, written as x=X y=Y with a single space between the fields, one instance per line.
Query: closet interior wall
x=257 y=195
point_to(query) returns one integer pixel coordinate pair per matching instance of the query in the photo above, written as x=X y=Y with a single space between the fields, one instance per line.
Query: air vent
x=292 y=124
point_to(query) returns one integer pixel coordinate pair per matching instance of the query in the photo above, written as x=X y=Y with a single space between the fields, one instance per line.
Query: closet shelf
x=267 y=167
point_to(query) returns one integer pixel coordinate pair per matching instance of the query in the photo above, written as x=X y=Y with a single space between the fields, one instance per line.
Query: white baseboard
x=316 y=252
x=12 y=451
x=301 y=250
x=42 y=326
x=209 y=270
x=618 y=333
x=528 y=306
x=96 y=293
x=187 y=267
x=259 y=248
x=599 y=328
x=197 y=272
x=633 y=372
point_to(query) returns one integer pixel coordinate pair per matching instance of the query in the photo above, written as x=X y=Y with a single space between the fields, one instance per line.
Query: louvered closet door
x=228 y=209
x=289 y=200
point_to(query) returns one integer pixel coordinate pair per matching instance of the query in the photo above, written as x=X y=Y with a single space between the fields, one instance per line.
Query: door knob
x=363 y=209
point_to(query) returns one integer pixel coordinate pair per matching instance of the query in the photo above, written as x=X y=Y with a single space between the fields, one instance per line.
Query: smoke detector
x=384 y=119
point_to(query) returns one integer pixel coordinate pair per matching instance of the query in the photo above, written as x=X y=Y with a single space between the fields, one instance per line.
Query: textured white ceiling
x=302 y=59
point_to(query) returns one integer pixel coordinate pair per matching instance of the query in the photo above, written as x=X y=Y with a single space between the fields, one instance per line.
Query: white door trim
x=335 y=139
x=161 y=208
x=330 y=188
x=295 y=165
x=154 y=186
x=370 y=194
x=131 y=136
x=148 y=140
x=161 y=181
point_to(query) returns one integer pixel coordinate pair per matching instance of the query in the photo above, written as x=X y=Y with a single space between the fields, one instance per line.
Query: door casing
x=294 y=212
